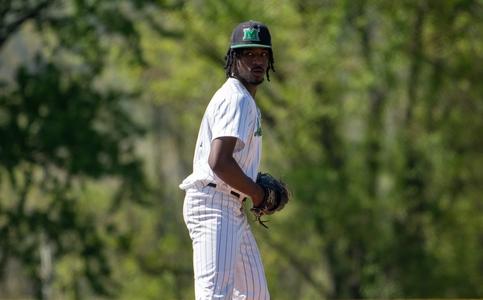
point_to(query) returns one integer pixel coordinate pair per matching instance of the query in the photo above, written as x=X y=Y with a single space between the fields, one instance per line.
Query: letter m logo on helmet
x=251 y=34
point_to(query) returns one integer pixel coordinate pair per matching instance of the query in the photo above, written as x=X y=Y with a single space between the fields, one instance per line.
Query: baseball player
x=226 y=259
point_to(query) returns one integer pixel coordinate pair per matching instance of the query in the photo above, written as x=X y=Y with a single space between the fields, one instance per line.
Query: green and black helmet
x=251 y=34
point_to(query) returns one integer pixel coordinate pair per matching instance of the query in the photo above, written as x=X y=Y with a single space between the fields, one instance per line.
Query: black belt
x=213 y=185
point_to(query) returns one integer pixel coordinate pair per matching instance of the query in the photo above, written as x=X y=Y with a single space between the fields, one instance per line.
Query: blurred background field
x=374 y=117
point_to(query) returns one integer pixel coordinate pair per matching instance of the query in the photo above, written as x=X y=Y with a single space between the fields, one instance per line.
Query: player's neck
x=252 y=89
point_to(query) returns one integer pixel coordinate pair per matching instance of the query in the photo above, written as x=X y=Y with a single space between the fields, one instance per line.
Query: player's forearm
x=230 y=172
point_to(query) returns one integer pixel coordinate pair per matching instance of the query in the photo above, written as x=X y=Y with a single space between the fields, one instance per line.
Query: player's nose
x=259 y=59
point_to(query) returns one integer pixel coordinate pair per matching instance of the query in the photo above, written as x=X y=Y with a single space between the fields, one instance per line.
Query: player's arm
x=223 y=164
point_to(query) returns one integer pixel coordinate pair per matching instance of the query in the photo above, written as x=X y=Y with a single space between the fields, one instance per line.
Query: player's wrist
x=257 y=197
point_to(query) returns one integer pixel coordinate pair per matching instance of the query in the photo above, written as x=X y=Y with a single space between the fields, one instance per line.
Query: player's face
x=252 y=64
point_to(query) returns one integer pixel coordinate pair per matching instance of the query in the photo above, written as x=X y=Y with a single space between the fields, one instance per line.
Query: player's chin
x=256 y=81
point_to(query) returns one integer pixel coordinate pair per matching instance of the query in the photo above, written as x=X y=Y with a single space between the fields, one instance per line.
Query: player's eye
x=251 y=54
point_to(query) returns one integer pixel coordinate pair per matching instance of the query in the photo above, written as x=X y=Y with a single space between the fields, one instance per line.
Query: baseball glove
x=276 y=196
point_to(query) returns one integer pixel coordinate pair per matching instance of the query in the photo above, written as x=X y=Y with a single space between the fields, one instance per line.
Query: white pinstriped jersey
x=231 y=112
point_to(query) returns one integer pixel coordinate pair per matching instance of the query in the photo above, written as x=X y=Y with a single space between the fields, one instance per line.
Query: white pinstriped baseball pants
x=226 y=259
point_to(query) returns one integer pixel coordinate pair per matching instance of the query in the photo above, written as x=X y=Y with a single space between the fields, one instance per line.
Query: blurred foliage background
x=374 y=117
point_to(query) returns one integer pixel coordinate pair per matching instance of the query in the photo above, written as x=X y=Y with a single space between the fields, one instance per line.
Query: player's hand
x=276 y=195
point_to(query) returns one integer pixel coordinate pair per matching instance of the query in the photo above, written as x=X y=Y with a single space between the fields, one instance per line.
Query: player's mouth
x=258 y=71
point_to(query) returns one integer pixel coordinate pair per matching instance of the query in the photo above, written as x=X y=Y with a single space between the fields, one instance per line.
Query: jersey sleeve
x=233 y=117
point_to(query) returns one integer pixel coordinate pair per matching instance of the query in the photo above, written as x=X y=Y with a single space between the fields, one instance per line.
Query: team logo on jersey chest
x=258 y=132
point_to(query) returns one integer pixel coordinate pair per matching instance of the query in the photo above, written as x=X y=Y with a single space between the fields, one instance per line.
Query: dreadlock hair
x=231 y=54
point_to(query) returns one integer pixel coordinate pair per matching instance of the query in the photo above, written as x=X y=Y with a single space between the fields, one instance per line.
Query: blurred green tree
x=60 y=130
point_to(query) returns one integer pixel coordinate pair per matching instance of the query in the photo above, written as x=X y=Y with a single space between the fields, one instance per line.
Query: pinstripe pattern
x=226 y=260
x=231 y=112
